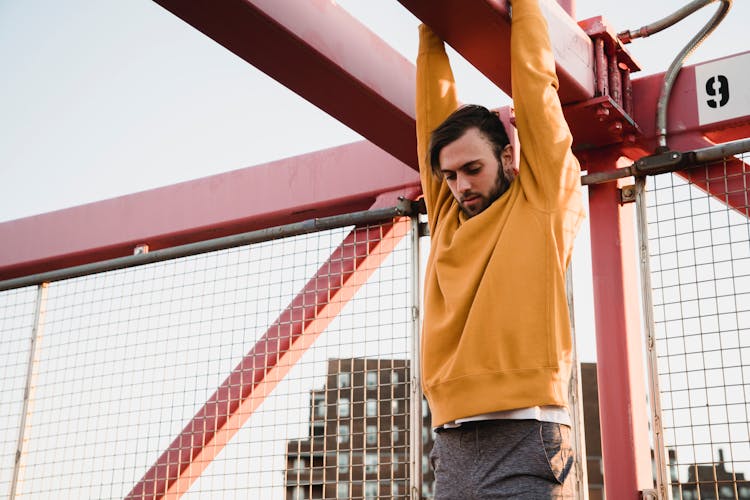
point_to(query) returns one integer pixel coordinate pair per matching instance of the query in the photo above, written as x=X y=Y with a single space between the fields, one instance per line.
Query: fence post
x=28 y=399
x=660 y=456
x=416 y=449
x=575 y=398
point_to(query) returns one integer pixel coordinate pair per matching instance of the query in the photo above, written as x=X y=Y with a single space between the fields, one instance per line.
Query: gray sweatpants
x=520 y=459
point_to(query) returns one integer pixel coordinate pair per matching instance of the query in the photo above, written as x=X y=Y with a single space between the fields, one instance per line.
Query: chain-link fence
x=699 y=241
x=110 y=380
x=284 y=368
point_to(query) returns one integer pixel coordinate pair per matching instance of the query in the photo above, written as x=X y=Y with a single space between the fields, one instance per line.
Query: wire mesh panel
x=276 y=370
x=17 y=313
x=699 y=240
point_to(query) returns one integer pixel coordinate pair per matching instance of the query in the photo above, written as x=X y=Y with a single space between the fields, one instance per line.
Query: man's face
x=472 y=172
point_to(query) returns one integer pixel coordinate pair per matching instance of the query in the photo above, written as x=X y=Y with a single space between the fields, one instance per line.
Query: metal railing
x=280 y=363
x=696 y=246
x=103 y=371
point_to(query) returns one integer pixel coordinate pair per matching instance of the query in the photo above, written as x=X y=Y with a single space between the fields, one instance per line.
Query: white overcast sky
x=101 y=98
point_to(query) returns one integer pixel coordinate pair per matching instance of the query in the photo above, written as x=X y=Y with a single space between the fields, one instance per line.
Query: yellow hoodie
x=496 y=332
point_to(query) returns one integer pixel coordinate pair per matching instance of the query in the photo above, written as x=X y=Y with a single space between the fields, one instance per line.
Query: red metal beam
x=727 y=181
x=322 y=53
x=333 y=181
x=619 y=345
x=480 y=31
x=283 y=344
x=690 y=117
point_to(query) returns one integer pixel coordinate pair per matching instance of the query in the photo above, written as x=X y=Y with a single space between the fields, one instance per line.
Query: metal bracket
x=605 y=119
x=411 y=207
x=140 y=248
x=660 y=163
x=627 y=194
x=649 y=495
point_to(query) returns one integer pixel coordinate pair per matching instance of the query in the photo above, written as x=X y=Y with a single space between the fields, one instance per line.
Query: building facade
x=359 y=435
x=359 y=442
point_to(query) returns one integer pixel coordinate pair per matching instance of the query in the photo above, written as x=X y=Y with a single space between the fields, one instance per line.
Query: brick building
x=359 y=428
x=360 y=440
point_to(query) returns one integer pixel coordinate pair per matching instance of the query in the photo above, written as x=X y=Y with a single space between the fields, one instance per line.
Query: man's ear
x=510 y=170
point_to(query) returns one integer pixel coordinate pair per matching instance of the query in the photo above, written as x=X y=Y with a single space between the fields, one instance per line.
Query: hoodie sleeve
x=548 y=171
x=436 y=98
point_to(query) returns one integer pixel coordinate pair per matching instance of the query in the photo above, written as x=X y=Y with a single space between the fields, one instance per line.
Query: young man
x=496 y=347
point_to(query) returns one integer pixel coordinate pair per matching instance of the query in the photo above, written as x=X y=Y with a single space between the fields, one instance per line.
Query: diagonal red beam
x=283 y=344
x=727 y=181
x=326 y=56
x=480 y=31
x=328 y=182
x=322 y=53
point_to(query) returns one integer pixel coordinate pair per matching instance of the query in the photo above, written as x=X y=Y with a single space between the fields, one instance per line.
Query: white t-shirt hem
x=556 y=414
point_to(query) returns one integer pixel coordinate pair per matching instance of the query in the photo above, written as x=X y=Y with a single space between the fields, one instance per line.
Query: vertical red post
x=620 y=369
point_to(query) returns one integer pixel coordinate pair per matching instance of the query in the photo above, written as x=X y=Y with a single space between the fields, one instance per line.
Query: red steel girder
x=283 y=344
x=480 y=31
x=727 y=181
x=322 y=53
x=686 y=128
x=620 y=368
x=329 y=182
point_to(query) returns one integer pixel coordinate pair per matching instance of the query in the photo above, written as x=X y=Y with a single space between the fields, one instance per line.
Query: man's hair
x=465 y=118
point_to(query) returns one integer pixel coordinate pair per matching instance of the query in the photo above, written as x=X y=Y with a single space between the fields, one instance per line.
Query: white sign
x=723 y=89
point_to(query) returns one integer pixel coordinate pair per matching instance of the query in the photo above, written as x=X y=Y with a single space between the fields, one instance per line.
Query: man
x=496 y=347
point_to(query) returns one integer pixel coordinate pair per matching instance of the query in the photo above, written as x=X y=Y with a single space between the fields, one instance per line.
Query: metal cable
x=674 y=68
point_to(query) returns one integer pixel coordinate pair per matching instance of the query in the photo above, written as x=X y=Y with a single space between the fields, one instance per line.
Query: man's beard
x=501 y=185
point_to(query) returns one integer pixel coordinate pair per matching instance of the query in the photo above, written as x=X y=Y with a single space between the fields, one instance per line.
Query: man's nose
x=462 y=183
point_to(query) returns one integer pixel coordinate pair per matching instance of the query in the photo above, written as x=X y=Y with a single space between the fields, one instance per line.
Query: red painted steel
x=728 y=181
x=620 y=368
x=682 y=119
x=490 y=27
x=316 y=49
x=283 y=344
x=329 y=182
x=322 y=53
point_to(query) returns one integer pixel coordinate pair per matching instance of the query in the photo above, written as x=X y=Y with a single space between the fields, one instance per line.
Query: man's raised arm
x=552 y=172
x=436 y=99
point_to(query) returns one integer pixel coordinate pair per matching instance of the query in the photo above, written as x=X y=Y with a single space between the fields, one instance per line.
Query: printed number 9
x=723 y=91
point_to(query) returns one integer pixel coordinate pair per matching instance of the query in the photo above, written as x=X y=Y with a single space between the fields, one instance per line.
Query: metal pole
x=309 y=226
x=661 y=460
x=576 y=400
x=415 y=460
x=36 y=336
x=671 y=161
x=620 y=366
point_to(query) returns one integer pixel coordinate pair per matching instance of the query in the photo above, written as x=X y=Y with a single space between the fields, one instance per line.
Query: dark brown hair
x=464 y=118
